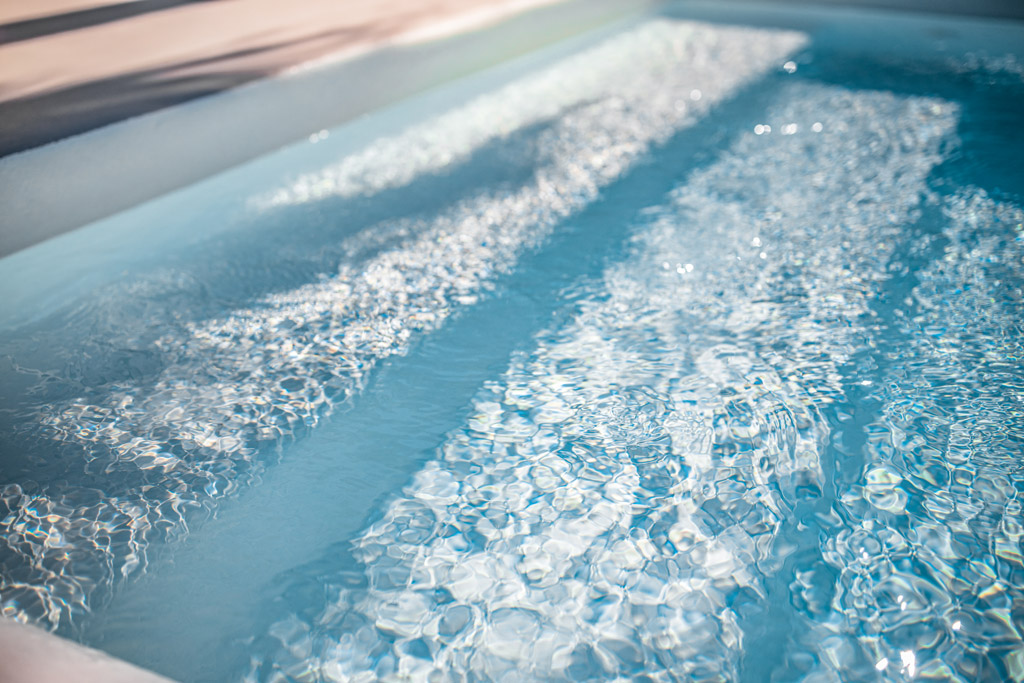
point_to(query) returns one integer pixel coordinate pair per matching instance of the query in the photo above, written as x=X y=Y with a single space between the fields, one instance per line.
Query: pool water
x=689 y=350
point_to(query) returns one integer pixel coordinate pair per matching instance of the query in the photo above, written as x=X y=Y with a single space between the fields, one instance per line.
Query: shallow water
x=693 y=355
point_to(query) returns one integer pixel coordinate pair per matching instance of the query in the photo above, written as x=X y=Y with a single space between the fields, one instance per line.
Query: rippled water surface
x=692 y=351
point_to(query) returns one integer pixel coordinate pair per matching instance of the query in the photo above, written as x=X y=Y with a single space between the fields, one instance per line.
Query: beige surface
x=256 y=35
x=19 y=10
x=68 y=66
x=28 y=654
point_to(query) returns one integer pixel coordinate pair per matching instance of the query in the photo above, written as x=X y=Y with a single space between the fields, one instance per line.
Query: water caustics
x=931 y=557
x=649 y=493
x=777 y=437
x=238 y=383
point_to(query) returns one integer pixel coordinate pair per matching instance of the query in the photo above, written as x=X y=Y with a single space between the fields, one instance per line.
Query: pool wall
x=58 y=187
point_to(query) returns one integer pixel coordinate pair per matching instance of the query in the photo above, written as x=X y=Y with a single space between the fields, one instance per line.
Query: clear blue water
x=690 y=351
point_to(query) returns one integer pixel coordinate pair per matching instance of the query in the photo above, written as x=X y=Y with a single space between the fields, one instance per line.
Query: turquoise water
x=688 y=351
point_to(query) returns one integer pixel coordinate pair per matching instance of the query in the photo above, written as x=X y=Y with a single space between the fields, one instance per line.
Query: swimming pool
x=688 y=350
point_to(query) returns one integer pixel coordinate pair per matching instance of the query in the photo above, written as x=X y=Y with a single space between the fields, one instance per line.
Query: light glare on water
x=743 y=399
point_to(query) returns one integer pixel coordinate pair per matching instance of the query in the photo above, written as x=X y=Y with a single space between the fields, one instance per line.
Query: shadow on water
x=80 y=351
x=989 y=132
x=351 y=465
x=983 y=154
x=347 y=467
x=270 y=549
x=286 y=247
